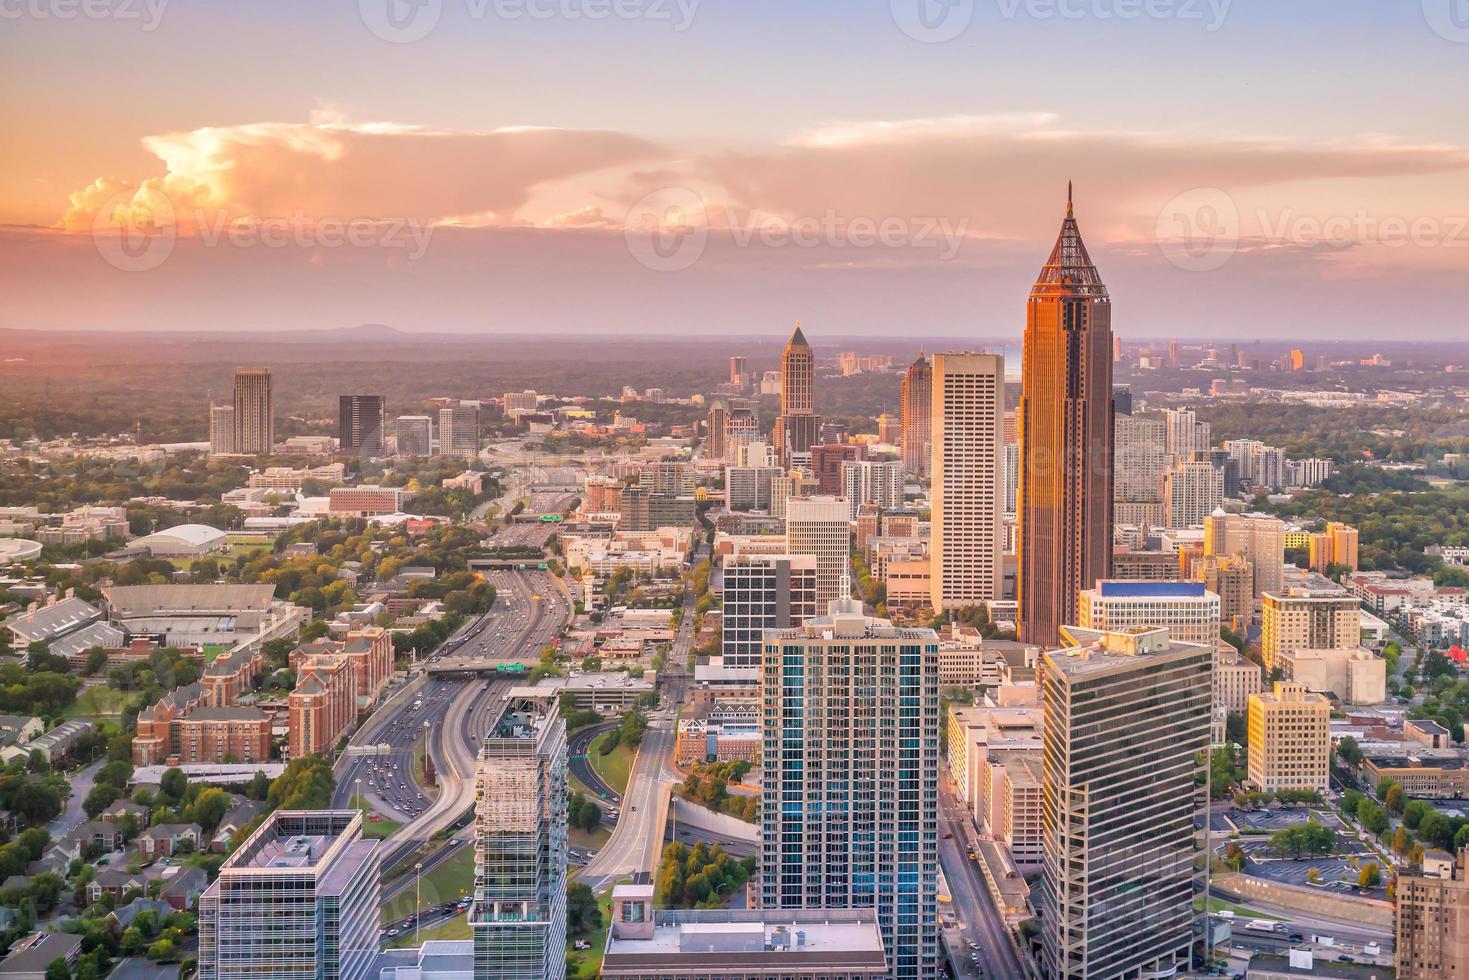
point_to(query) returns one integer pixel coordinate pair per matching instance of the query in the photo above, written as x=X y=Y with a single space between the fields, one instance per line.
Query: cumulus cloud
x=331 y=169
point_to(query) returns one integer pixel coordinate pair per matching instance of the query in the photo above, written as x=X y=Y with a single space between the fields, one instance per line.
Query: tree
x=583 y=916
x=1401 y=840
x=132 y=942
x=161 y=950
x=1395 y=799
x=58 y=969
x=1372 y=816
x=1369 y=877
x=1349 y=751
x=1415 y=811
x=173 y=784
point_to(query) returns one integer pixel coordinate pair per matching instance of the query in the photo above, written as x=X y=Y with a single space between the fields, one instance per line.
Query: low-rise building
x=1235 y=679
x=1354 y=675
x=721 y=732
x=1433 y=919
x=738 y=944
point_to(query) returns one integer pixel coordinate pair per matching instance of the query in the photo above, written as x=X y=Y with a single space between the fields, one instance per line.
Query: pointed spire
x=798 y=339
x=1069 y=270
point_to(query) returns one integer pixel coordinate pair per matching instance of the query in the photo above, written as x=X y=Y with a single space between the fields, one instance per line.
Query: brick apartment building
x=323 y=704
x=231 y=675
x=183 y=728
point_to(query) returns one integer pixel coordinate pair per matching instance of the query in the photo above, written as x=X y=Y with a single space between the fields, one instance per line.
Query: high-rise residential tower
x=763 y=592
x=1065 y=438
x=968 y=416
x=221 y=430
x=1125 y=714
x=361 y=425
x=799 y=427
x=298 y=900
x=916 y=407
x=849 y=816
x=254 y=412
x=519 y=911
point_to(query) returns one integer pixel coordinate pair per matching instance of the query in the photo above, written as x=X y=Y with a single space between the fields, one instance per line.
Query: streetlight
x=417 y=901
x=358 y=781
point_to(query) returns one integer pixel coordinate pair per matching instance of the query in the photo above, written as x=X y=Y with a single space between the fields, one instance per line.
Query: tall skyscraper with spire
x=799 y=427
x=917 y=411
x=1065 y=438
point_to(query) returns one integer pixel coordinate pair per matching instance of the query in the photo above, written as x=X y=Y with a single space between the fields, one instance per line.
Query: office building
x=1307 y=619
x=298 y=899
x=916 y=409
x=415 y=435
x=795 y=485
x=459 y=431
x=889 y=430
x=1260 y=538
x=819 y=526
x=1289 y=739
x=254 y=412
x=799 y=427
x=827 y=461
x=1336 y=545
x=741 y=427
x=763 y=592
x=1433 y=918
x=1187 y=609
x=715 y=423
x=867 y=481
x=739 y=372
x=221 y=430
x=1065 y=438
x=849 y=815
x=1192 y=490
x=748 y=487
x=362 y=425
x=1353 y=674
x=519 y=910
x=1125 y=715
x=516 y=403
x=967 y=543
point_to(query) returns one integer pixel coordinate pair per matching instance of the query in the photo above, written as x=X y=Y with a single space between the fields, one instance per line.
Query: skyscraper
x=917 y=404
x=298 y=899
x=459 y=431
x=714 y=429
x=866 y=481
x=1065 y=438
x=967 y=542
x=519 y=911
x=1193 y=489
x=221 y=430
x=739 y=374
x=361 y=425
x=415 y=435
x=799 y=427
x=849 y=815
x=1125 y=714
x=763 y=592
x=819 y=526
x=254 y=412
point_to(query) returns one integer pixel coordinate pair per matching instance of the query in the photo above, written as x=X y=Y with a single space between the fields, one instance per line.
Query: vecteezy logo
x=400 y=21
x=667 y=230
x=135 y=230
x=1448 y=18
x=932 y=21
x=1199 y=229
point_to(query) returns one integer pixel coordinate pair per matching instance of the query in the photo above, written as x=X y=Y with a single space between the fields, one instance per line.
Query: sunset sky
x=1261 y=168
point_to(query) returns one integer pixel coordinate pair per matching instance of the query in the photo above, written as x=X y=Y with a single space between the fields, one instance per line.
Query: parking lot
x=1274 y=820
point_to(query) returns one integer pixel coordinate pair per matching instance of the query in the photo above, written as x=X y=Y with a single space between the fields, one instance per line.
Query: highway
x=637 y=840
x=981 y=922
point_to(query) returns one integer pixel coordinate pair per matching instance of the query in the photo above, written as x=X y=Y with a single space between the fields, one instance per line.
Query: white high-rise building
x=748 y=487
x=1125 y=715
x=966 y=430
x=849 y=815
x=1192 y=490
x=868 y=481
x=1186 y=434
x=222 y=430
x=1140 y=457
x=819 y=526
